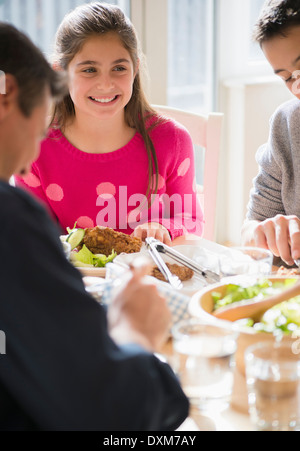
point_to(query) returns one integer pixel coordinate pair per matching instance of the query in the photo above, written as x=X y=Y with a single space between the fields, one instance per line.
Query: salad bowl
x=275 y=324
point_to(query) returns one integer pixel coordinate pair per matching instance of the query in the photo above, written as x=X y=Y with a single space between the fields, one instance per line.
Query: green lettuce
x=86 y=258
x=284 y=317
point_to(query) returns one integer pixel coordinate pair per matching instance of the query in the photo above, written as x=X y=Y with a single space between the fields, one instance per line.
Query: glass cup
x=251 y=261
x=273 y=380
x=204 y=361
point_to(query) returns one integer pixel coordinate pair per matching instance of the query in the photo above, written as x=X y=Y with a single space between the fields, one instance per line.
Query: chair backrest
x=205 y=131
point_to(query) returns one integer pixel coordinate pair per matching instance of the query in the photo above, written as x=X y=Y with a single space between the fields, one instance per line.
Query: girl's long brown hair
x=98 y=19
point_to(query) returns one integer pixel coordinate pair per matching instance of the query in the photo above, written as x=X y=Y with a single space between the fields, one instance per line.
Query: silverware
x=210 y=277
x=297 y=262
x=173 y=280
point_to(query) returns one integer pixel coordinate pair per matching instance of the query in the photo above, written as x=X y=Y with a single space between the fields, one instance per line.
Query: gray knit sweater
x=276 y=189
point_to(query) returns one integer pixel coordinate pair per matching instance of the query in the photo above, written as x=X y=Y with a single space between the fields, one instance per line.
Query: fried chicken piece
x=182 y=272
x=103 y=240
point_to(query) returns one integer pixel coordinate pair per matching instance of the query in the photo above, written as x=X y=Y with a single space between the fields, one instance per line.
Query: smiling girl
x=109 y=158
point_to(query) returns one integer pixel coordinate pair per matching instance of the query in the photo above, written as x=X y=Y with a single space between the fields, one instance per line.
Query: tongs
x=156 y=247
x=173 y=280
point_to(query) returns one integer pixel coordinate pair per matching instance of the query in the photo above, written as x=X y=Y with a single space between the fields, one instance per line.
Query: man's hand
x=139 y=314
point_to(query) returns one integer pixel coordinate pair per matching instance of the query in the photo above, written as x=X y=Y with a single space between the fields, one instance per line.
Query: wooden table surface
x=234 y=418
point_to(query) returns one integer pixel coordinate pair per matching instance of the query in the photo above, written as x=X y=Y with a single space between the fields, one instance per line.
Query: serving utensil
x=157 y=247
x=256 y=307
x=173 y=280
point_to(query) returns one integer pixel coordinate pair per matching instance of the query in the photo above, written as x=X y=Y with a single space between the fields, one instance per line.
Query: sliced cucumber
x=75 y=238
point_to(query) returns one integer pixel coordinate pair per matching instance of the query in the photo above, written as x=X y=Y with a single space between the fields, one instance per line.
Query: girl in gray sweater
x=273 y=218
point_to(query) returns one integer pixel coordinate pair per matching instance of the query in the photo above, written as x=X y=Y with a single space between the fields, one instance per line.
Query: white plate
x=86 y=271
x=91 y=271
x=206 y=254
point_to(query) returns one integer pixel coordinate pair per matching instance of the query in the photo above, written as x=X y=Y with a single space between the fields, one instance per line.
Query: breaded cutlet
x=182 y=272
x=103 y=240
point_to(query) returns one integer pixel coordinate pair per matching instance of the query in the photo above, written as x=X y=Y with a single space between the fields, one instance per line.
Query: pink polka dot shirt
x=110 y=189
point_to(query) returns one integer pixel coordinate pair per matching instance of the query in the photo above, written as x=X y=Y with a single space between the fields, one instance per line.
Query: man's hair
x=276 y=18
x=22 y=59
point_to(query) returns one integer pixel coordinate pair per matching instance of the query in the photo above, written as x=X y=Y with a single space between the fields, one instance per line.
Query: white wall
x=249 y=93
x=248 y=105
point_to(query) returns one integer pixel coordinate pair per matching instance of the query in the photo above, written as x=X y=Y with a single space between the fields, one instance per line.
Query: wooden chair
x=205 y=131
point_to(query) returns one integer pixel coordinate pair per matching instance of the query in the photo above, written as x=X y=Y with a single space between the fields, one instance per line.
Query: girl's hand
x=155 y=230
x=281 y=235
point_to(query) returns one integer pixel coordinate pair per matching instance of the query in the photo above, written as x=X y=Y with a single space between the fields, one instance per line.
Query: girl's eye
x=119 y=69
x=289 y=79
x=89 y=70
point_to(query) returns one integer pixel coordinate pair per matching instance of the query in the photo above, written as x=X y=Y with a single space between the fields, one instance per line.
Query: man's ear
x=9 y=97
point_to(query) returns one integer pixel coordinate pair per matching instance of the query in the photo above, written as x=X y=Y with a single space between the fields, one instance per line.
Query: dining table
x=236 y=417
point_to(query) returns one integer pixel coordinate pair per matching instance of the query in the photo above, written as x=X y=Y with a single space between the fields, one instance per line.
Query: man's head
x=27 y=85
x=278 y=33
x=22 y=59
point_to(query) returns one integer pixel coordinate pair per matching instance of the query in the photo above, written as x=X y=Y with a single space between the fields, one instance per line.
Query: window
x=41 y=18
x=238 y=56
x=191 y=54
x=255 y=53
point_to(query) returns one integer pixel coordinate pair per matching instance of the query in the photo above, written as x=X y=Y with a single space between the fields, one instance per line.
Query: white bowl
x=199 y=254
x=202 y=305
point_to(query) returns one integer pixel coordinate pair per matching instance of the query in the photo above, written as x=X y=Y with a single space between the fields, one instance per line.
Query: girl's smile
x=104 y=100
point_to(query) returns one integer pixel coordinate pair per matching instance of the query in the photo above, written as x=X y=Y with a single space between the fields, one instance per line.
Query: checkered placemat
x=177 y=301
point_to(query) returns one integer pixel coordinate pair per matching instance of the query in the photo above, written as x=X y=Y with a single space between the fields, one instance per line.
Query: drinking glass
x=273 y=380
x=251 y=261
x=204 y=362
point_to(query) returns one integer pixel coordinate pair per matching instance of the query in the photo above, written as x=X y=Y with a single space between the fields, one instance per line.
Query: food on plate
x=103 y=240
x=75 y=237
x=85 y=257
x=284 y=317
x=182 y=272
x=98 y=246
x=282 y=271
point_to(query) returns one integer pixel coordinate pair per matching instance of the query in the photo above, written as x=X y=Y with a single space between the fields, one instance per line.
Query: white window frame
x=234 y=35
x=150 y=18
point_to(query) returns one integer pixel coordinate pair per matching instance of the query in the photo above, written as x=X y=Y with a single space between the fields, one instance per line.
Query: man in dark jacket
x=69 y=365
